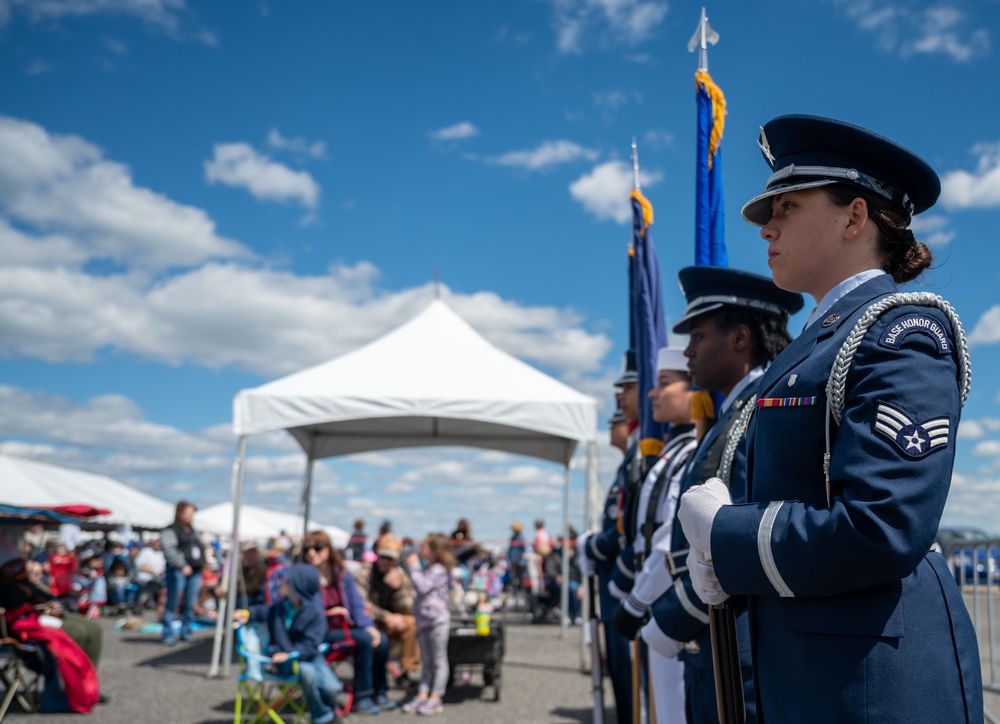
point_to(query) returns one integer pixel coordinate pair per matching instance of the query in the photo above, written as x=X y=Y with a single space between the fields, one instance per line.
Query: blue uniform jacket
x=852 y=619
x=679 y=613
x=603 y=547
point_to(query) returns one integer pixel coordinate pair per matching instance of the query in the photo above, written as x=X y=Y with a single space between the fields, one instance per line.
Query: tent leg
x=307 y=492
x=223 y=625
x=566 y=551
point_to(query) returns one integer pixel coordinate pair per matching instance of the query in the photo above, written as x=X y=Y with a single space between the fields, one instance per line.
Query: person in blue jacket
x=737 y=324
x=853 y=617
x=297 y=625
x=598 y=550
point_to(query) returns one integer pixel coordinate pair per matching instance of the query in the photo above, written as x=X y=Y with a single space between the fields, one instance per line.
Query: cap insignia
x=765 y=147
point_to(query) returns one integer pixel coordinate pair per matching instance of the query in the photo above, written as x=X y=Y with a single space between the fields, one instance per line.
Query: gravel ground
x=148 y=682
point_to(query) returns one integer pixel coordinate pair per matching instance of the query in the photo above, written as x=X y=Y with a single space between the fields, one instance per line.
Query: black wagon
x=469 y=651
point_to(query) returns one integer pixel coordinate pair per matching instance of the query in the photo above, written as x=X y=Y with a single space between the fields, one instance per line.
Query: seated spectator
x=551 y=595
x=121 y=590
x=22 y=593
x=254 y=576
x=296 y=625
x=150 y=567
x=344 y=605
x=387 y=592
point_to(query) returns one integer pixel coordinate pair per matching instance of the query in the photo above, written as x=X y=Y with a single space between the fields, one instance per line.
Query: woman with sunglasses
x=345 y=609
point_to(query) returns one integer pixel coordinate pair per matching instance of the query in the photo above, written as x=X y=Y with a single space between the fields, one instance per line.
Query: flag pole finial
x=702 y=38
x=635 y=165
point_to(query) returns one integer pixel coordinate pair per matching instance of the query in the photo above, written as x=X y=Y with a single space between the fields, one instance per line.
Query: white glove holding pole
x=659 y=641
x=704 y=580
x=698 y=508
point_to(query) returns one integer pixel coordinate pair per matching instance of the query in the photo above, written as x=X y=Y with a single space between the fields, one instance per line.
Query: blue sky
x=196 y=198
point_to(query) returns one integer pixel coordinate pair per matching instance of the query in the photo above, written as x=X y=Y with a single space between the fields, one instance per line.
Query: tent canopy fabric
x=33 y=484
x=259 y=524
x=432 y=381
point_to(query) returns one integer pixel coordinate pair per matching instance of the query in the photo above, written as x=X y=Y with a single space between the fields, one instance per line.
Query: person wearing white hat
x=671 y=402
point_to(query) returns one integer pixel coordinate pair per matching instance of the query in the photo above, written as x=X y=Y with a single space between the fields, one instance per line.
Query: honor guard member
x=737 y=323
x=671 y=403
x=851 y=448
x=598 y=550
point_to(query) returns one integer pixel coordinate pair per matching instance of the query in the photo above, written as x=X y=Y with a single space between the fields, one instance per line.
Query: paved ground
x=150 y=683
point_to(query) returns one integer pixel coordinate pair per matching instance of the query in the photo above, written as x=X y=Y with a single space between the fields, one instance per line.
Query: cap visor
x=757 y=210
x=682 y=325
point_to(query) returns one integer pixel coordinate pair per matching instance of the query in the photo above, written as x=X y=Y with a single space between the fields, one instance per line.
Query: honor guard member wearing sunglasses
x=737 y=323
x=850 y=448
x=598 y=550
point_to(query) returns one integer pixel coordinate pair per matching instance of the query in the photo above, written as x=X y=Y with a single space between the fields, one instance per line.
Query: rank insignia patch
x=915 y=439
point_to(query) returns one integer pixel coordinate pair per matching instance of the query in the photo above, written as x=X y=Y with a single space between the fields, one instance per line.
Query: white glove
x=659 y=641
x=704 y=580
x=699 y=507
x=583 y=560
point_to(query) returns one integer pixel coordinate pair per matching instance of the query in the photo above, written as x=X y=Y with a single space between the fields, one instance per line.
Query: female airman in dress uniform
x=850 y=451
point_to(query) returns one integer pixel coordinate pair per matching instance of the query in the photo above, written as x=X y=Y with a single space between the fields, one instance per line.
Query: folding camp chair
x=337 y=653
x=267 y=692
x=21 y=681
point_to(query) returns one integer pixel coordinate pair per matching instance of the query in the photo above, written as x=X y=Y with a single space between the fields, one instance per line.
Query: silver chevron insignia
x=914 y=439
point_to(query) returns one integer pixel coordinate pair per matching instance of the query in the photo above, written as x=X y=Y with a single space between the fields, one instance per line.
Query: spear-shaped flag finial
x=635 y=165
x=703 y=35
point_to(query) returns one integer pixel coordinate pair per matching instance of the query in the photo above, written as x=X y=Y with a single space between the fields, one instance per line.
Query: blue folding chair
x=263 y=691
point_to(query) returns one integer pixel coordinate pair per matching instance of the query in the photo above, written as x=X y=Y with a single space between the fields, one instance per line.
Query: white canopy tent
x=432 y=381
x=31 y=483
x=259 y=524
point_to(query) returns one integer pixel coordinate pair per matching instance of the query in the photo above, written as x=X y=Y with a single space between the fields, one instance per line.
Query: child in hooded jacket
x=297 y=624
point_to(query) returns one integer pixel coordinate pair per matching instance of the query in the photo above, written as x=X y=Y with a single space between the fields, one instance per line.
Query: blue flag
x=709 y=235
x=648 y=330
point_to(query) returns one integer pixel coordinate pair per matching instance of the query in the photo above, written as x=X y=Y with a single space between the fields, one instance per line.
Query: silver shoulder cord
x=836 y=384
x=737 y=431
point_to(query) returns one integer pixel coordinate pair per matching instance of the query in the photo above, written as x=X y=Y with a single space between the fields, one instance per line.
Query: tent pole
x=564 y=594
x=222 y=623
x=307 y=493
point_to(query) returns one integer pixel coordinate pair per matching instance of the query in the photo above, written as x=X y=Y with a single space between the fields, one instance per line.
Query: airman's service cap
x=630 y=370
x=708 y=288
x=809 y=151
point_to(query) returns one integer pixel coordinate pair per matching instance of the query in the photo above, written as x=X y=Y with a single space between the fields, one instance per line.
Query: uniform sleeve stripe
x=884 y=411
x=942 y=422
x=593 y=550
x=624 y=570
x=686 y=603
x=887 y=430
x=765 y=552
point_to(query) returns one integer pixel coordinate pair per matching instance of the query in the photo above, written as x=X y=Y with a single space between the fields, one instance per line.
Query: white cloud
x=907 y=30
x=457 y=132
x=932 y=230
x=612 y=100
x=108 y=420
x=241 y=166
x=548 y=154
x=579 y=24
x=64 y=187
x=266 y=321
x=987 y=329
x=970 y=430
x=299 y=146
x=170 y=17
x=604 y=191
x=979 y=189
